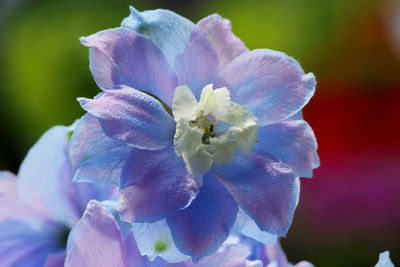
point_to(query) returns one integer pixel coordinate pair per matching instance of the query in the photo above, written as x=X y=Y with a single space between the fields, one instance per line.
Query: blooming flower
x=195 y=129
x=40 y=206
x=101 y=239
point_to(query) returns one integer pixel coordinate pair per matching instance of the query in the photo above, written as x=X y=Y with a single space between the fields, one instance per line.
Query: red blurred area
x=357 y=186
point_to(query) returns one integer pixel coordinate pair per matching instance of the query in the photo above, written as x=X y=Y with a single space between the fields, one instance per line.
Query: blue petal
x=96 y=240
x=26 y=244
x=270 y=84
x=229 y=255
x=246 y=226
x=55 y=259
x=384 y=260
x=95 y=156
x=135 y=259
x=132 y=117
x=155 y=184
x=264 y=187
x=155 y=239
x=124 y=227
x=292 y=142
x=218 y=32
x=197 y=66
x=121 y=56
x=44 y=178
x=200 y=229
x=169 y=31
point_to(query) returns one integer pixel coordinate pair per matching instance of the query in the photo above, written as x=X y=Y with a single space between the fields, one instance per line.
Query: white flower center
x=211 y=130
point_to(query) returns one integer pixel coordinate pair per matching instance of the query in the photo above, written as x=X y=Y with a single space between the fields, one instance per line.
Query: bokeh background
x=350 y=210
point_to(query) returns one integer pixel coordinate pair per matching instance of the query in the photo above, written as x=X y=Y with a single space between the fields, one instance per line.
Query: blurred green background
x=349 y=211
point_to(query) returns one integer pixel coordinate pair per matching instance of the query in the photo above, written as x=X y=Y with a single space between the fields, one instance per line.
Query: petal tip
x=84 y=41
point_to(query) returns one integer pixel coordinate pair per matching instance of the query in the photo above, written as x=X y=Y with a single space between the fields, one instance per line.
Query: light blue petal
x=55 y=259
x=121 y=56
x=264 y=187
x=293 y=142
x=169 y=31
x=246 y=226
x=155 y=184
x=44 y=178
x=132 y=117
x=200 y=229
x=197 y=66
x=218 y=32
x=272 y=85
x=95 y=156
x=96 y=240
x=228 y=255
x=384 y=260
x=155 y=239
x=26 y=244
x=124 y=227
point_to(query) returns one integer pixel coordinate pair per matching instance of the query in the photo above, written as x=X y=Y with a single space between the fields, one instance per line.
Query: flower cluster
x=189 y=156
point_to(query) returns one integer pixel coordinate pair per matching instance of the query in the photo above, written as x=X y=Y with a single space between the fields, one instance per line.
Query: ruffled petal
x=264 y=187
x=96 y=240
x=155 y=184
x=270 y=84
x=246 y=226
x=155 y=239
x=200 y=229
x=169 y=31
x=45 y=175
x=384 y=260
x=218 y=32
x=55 y=259
x=292 y=142
x=121 y=56
x=28 y=242
x=132 y=117
x=95 y=156
x=45 y=180
x=197 y=66
x=229 y=255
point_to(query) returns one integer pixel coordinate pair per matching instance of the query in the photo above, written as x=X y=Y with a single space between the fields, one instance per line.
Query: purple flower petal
x=96 y=240
x=9 y=197
x=55 y=259
x=132 y=117
x=264 y=188
x=218 y=33
x=197 y=66
x=155 y=184
x=27 y=243
x=200 y=229
x=44 y=178
x=95 y=156
x=155 y=241
x=169 y=31
x=247 y=227
x=270 y=84
x=229 y=255
x=121 y=56
x=135 y=259
x=292 y=142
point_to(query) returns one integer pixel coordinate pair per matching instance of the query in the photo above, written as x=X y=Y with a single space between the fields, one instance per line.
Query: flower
x=40 y=206
x=271 y=255
x=197 y=131
x=101 y=239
